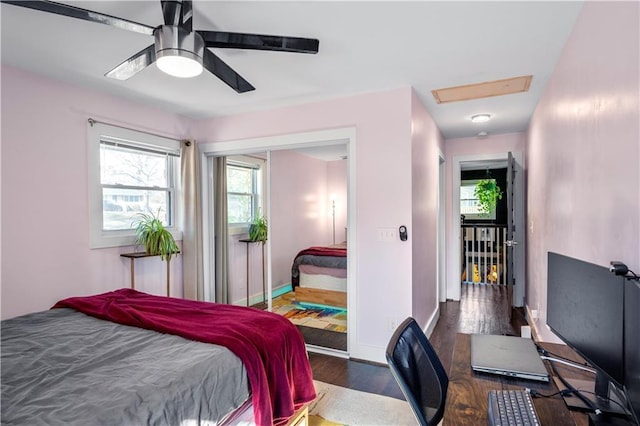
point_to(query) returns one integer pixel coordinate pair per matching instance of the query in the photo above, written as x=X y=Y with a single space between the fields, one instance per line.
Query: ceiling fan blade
x=224 y=72
x=134 y=64
x=187 y=15
x=259 y=42
x=178 y=13
x=87 y=15
x=171 y=11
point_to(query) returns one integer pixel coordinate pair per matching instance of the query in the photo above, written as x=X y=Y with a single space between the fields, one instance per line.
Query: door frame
x=346 y=135
x=441 y=228
x=454 y=243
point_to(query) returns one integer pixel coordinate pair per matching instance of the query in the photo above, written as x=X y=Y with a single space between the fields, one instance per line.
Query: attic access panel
x=483 y=90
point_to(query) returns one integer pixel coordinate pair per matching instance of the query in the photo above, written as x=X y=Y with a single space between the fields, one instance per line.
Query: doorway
x=456 y=252
x=328 y=208
x=484 y=257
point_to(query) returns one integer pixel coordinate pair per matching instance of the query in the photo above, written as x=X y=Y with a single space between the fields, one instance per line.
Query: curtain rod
x=93 y=121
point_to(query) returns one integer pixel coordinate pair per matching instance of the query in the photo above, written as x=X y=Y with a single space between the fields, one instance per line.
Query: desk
x=467 y=395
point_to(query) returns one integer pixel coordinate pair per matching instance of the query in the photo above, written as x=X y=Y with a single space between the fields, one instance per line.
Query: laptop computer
x=508 y=356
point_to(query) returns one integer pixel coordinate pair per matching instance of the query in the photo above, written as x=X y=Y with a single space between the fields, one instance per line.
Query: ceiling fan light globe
x=178 y=52
x=179 y=66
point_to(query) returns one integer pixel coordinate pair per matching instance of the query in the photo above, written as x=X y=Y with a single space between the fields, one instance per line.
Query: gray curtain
x=192 y=261
x=221 y=230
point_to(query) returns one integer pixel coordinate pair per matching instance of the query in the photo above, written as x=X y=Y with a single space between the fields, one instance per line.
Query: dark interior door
x=511 y=228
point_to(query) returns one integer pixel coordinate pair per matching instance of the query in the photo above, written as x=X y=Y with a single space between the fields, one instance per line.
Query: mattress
x=324 y=282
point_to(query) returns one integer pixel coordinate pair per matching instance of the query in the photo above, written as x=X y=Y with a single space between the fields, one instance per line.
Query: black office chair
x=418 y=371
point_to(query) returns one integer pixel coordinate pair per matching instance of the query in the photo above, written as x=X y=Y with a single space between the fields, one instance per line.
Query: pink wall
x=337 y=178
x=492 y=144
x=383 y=194
x=583 y=150
x=45 y=224
x=426 y=146
x=299 y=209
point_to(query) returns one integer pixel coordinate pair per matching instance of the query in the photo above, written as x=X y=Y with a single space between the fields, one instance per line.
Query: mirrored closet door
x=279 y=220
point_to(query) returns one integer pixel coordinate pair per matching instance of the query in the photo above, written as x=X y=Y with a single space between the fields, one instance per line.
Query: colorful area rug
x=316 y=316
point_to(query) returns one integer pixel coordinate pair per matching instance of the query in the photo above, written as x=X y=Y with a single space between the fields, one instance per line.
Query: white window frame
x=97 y=132
x=259 y=165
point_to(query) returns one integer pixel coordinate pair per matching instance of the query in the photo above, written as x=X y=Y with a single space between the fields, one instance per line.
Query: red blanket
x=270 y=346
x=324 y=251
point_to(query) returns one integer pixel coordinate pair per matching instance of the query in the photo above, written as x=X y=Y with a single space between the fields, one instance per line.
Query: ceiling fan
x=177 y=48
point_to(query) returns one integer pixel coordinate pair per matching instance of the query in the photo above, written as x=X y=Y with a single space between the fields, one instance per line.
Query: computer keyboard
x=511 y=407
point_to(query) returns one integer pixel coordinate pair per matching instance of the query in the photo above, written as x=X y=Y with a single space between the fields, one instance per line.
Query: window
x=130 y=173
x=241 y=193
x=244 y=180
x=469 y=202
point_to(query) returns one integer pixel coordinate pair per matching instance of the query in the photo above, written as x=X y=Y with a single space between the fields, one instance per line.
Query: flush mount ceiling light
x=178 y=52
x=480 y=118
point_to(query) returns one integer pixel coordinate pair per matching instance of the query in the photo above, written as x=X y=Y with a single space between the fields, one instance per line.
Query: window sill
x=124 y=239
x=239 y=230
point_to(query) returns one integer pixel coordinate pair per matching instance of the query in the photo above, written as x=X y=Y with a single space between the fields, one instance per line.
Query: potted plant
x=258 y=229
x=488 y=193
x=156 y=239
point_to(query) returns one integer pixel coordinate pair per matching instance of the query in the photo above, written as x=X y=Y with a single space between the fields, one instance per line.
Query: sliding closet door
x=303 y=208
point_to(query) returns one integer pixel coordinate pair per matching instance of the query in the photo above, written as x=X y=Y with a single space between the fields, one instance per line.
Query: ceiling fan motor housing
x=176 y=41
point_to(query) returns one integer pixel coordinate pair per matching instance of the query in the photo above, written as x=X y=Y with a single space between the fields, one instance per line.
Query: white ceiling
x=364 y=47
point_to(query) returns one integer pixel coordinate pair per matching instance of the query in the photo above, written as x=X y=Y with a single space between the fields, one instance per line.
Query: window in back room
x=469 y=202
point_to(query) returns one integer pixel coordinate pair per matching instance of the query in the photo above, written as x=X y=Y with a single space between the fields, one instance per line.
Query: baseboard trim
x=431 y=324
x=532 y=323
x=327 y=351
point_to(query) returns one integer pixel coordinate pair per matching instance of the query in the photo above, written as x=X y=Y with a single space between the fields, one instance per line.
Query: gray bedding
x=62 y=367
x=309 y=259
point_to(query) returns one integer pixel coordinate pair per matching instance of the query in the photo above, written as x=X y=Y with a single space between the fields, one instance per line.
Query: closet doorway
x=302 y=270
x=308 y=224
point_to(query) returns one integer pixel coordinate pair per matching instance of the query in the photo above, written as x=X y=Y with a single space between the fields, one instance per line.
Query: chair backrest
x=418 y=371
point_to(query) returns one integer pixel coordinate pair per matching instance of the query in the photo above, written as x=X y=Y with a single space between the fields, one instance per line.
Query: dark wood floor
x=481 y=309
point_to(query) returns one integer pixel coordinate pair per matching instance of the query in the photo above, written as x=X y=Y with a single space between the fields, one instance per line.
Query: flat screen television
x=632 y=346
x=585 y=309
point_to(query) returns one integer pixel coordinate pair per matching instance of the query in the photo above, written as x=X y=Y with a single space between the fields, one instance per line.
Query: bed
x=319 y=275
x=129 y=358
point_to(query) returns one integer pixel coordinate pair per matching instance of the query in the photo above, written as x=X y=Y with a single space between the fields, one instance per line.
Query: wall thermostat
x=403 y=233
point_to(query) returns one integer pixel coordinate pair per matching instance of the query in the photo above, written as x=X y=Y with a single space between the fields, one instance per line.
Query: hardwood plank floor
x=481 y=309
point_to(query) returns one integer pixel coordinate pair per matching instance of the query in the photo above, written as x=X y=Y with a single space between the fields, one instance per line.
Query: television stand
x=587 y=386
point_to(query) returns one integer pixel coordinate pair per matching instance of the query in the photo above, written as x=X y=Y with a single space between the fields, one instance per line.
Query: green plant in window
x=152 y=234
x=488 y=193
x=258 y=229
